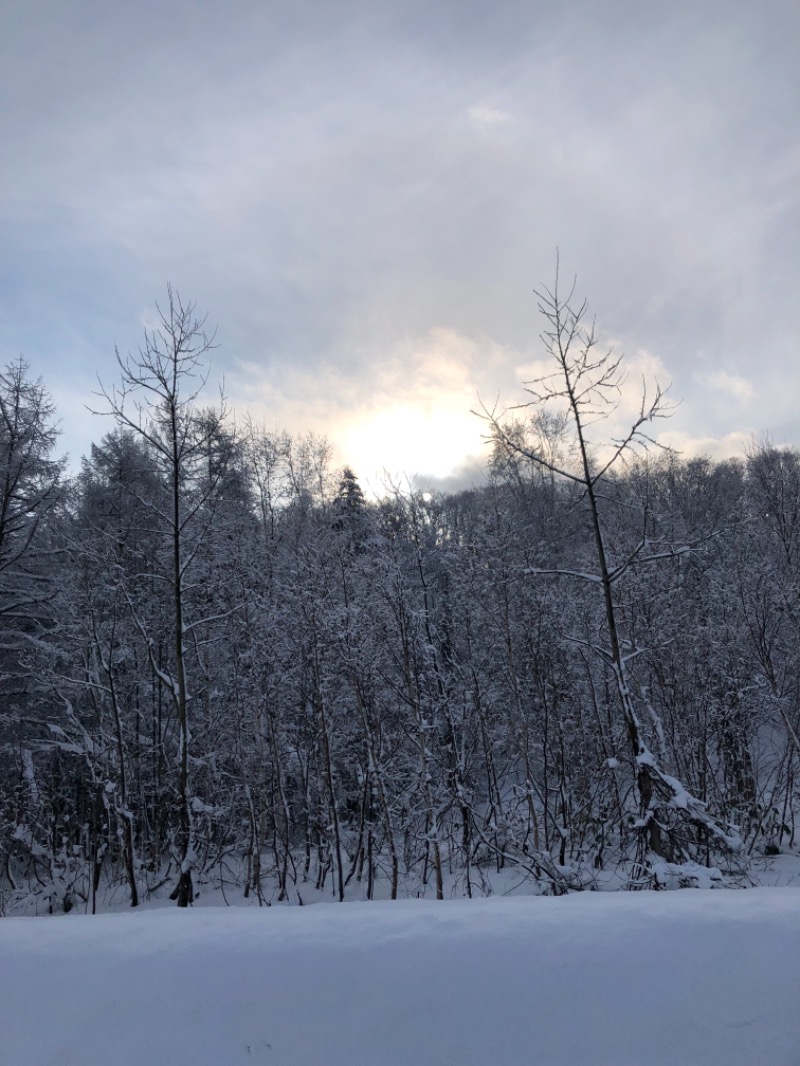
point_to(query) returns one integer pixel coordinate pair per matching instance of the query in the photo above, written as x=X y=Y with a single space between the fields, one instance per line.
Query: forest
x=221 y=664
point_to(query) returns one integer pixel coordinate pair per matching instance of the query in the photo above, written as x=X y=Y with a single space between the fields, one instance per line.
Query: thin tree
x=157 y=400
x=586 y=385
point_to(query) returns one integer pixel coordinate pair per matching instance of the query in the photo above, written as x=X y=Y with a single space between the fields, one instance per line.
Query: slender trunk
x=657 y=843
x=326 y=754
x=184 y=890
x=123 y=809
x=375 y=776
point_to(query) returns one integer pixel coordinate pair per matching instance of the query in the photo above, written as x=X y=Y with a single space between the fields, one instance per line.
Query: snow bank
x=689 y=978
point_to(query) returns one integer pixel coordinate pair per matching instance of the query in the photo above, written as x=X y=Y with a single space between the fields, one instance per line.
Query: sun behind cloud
x=407 y=440
x=420 y=420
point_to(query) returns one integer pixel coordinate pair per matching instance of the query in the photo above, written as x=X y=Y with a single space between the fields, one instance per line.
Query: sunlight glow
x=407 y=440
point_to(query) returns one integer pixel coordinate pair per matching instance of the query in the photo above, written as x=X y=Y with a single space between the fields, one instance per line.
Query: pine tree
x=350 y=511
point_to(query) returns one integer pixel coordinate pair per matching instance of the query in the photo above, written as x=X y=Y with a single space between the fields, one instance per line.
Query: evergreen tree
x=350 y=511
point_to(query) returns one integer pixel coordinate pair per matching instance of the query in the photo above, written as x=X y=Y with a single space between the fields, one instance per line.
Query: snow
x=648 y=979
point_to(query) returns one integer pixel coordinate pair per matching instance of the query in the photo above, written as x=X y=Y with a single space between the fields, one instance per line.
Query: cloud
x=408 y=413
x=730 y=384
x=728 y=446
x=300 y=175
x=483 y=115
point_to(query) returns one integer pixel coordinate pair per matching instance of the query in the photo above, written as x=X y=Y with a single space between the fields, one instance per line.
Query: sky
x=362 y=197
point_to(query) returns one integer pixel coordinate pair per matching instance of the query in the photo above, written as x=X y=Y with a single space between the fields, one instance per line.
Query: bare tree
x=157 y=400
x=586 y=385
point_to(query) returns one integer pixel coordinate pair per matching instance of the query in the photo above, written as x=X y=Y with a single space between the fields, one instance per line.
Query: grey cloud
x=315 y=176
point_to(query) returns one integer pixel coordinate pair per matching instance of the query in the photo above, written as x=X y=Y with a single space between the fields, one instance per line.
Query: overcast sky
x=363 y=195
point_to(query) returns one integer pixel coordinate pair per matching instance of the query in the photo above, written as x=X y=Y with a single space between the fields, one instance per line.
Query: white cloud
x=727 y=446
x=483 y=115
x=722 y=381
x=410 y=414
x=419 y=419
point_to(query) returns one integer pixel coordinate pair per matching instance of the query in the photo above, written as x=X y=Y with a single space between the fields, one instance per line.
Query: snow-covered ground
x=679 y=978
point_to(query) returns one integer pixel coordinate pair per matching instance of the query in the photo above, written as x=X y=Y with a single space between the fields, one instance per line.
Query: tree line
x=220 y=663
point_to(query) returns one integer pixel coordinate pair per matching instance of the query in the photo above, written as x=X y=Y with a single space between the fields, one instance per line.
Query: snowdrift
x=649 y=979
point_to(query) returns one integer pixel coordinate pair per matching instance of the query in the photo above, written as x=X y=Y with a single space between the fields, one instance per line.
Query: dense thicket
x=220 y=662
